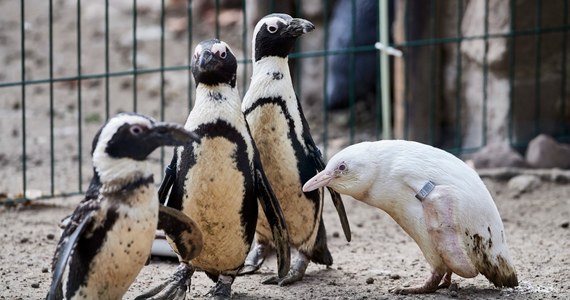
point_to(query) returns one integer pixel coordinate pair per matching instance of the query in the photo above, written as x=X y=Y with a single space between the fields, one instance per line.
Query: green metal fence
x=49 y=117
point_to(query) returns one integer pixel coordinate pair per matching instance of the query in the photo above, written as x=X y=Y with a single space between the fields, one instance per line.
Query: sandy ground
x=380 y=257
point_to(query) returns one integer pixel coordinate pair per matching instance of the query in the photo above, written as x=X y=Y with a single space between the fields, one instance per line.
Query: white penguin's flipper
x=63 y=255
x=443 y=224
x=274 y=215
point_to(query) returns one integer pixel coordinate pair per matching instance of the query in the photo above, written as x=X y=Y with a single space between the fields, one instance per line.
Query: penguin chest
x=125 y=248
x=279 y=150
x=215 y=190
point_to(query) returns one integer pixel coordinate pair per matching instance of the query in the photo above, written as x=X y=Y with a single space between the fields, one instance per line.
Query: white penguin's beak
x=321 y=179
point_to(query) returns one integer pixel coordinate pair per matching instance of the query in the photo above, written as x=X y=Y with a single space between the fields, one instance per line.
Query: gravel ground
x=380 y=257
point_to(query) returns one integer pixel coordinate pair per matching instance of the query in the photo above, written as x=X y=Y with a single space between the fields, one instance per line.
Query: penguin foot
x=429 y=286
x=295 y=274
x=223 y=288
x=254 y=259
x=174 y=288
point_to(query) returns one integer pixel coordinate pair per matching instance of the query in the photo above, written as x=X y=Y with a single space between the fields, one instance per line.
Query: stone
x=497 y=155
x=523 y=183
x=545 y=152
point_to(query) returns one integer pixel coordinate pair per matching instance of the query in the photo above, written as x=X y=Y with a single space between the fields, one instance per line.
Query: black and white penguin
x=436 y=198
x=218 y=182
x=288 y=152
x=108 y=238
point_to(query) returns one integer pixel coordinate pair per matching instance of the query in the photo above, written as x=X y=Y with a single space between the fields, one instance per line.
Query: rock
x=545 y=152
x=369 y=280
x=394 y=276
x=335 y=234
x=50 y=236
x=497 y=155
x=35 y=285
x=565 y=225
x=523 y=183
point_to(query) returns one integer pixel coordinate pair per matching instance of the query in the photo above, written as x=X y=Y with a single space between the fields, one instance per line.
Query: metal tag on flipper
x=428 y=187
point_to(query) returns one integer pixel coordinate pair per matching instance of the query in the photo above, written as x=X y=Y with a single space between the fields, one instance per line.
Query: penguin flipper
x=276 y=220
x=443 y=228
x=317 y=157
x=182 y=230
x=63 y=254
x=168 y=181
x=321 y=253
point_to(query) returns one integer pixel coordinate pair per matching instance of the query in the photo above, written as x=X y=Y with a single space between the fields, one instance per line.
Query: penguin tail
x=321 y=254
x=502 y=274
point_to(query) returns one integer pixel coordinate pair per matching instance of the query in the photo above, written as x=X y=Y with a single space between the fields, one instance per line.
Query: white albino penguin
x=288 y=152
x=436 y=198
x=107 y=239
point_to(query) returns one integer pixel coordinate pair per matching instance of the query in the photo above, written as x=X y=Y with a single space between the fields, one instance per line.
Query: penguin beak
x=204 y=59
x=166 y=134
x=298 y=27
x=320 y=180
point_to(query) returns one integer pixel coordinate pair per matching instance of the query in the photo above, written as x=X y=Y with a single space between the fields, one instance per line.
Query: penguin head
x=124 y=142
x=351 y=171
x=214 y=63
x=275 y=35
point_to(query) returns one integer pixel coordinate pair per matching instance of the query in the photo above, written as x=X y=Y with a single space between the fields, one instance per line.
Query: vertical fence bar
x=51 y=140
x=190 y=53
x=217 y=6
x=378 y=99
x=325 y=81
x=352 y=72
x=79 y=108
x=244 y=42
x=135 y=55
x=537 y=67
x=106 y=59
x=485 y=74
x=162 y=98
x=385 y=70
x=458 y=63
x=298 y=49
x=406 y=71
x=563 y=75
x=512 y=46
x=23 y=65
x=431 y=131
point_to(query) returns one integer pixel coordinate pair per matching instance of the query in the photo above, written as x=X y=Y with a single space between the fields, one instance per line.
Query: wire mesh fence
x=472 y=73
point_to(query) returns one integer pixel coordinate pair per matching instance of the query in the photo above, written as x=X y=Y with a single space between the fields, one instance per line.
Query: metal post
x=385 y=71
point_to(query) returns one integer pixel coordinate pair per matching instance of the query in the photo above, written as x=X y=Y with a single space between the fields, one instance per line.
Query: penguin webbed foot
x=223 y=288
x=295 y=274
x=255 y=259
x=174 y=288
x=430 y=286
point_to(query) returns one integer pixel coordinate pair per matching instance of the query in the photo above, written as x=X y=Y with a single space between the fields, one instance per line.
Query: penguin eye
x=342 y=167
x=272 y=28
x=136 y=130
x=223 y=55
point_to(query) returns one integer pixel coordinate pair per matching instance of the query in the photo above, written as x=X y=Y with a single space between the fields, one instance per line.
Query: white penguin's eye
x=136 y=129
x=342 y=167
x=223 y=55
x=272 y=28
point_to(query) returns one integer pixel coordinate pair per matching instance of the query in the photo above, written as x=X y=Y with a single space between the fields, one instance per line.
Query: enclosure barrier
x=21 y=194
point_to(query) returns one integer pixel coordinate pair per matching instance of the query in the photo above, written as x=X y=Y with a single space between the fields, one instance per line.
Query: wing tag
x=424 y=192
